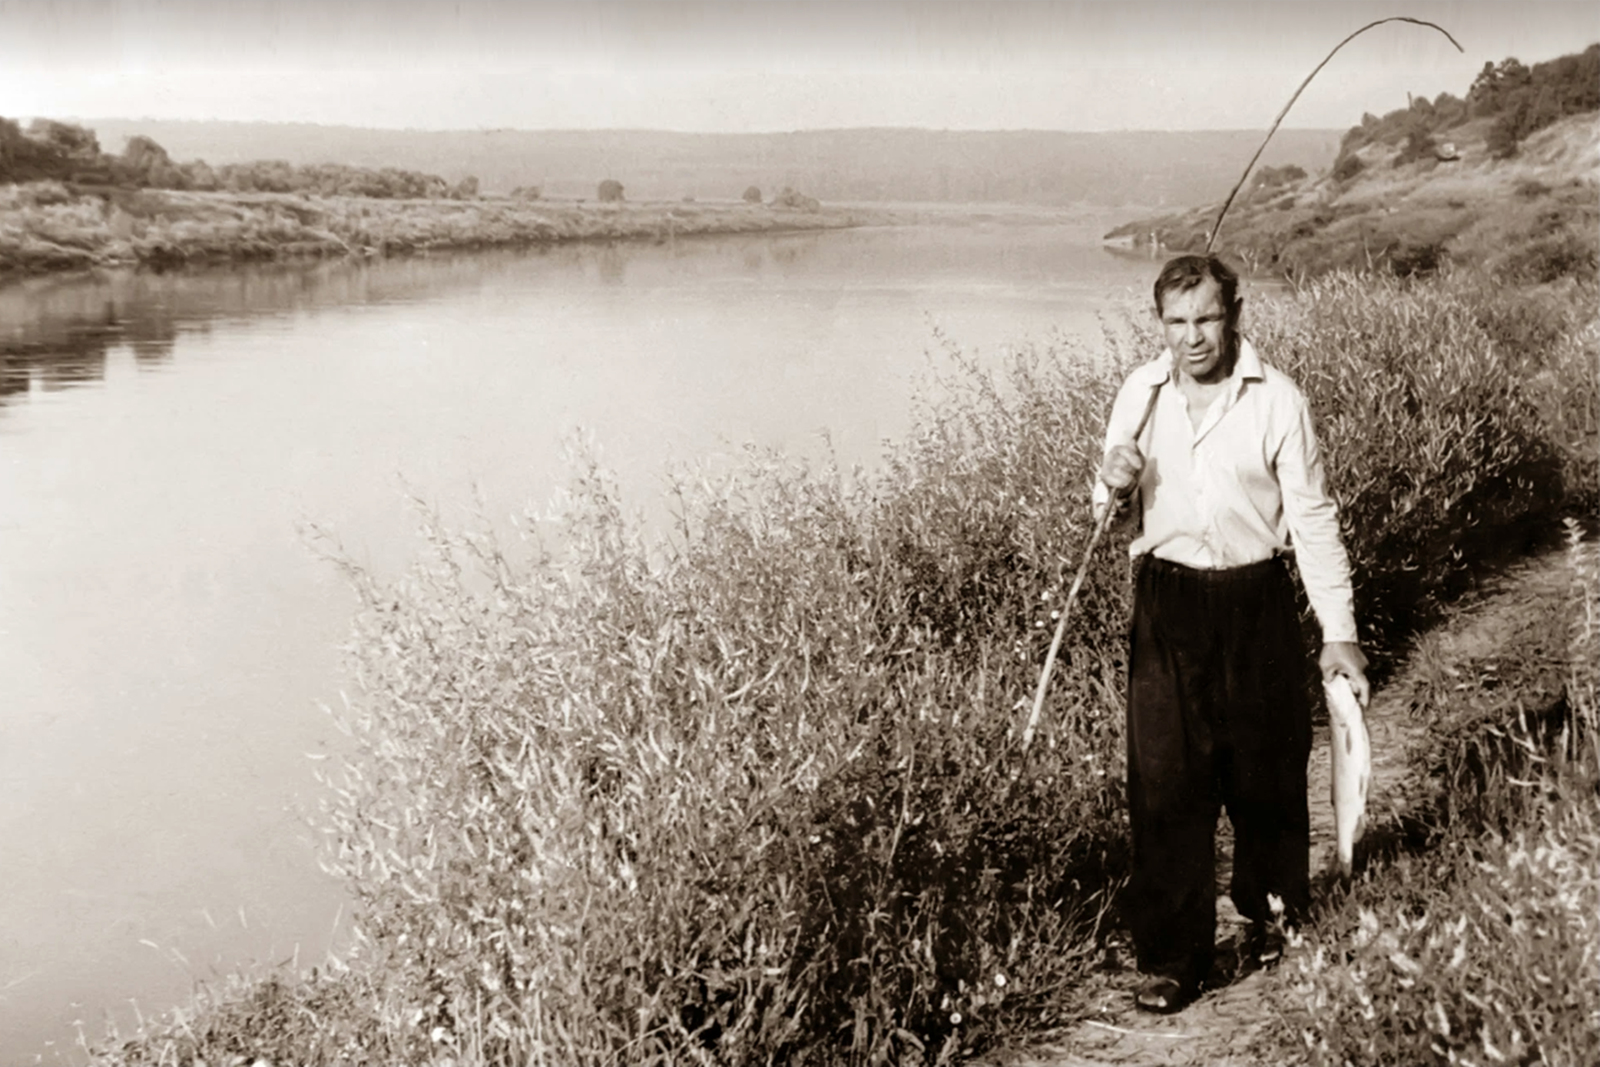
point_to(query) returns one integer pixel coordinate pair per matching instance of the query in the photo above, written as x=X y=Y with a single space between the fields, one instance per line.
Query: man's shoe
x=1263 y=946
x=1164 y=995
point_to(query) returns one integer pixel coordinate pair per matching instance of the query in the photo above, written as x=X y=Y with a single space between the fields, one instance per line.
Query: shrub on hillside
x=146 y=164
x=1509 y=128
x=1417 y=260
x=1419 y=147
x=73 y=142
x=1523 y=100
x=199 y=175
x=1497 y=85
x=1347 y=167
x=752 y=195
x=1272 y=177
x=1550 y=257
x=1449 y=111
x=609 y=191
x=1545 y=235
x=23 y=158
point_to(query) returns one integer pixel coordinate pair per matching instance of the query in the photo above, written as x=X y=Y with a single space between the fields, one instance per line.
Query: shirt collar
x=1247 y=368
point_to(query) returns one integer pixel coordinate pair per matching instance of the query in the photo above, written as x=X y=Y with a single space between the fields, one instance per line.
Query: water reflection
x=59 y=334
x=56 y=332
x=613 y=265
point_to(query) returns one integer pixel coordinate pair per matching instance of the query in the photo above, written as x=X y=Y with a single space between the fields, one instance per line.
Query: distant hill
x=1130 y=168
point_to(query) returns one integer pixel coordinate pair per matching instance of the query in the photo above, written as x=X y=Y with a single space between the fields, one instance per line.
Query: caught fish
x=1352 y=768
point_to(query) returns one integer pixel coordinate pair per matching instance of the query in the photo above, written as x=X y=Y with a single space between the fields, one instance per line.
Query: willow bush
x=752 y=793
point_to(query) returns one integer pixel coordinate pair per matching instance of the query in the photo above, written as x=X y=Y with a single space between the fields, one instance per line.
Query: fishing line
x=1113 y=503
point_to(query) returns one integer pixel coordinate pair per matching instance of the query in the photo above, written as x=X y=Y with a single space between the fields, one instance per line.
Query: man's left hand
x=1346 y=658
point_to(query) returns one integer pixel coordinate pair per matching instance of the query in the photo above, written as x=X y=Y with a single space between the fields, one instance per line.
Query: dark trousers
x=1218 y=716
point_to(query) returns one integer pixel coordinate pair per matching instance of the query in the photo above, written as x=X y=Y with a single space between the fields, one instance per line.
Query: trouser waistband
x=1211 y=575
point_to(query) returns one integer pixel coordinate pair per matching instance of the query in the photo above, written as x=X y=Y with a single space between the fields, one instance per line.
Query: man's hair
x=1186 y=272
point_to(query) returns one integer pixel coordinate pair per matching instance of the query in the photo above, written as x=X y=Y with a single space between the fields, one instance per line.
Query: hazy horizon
x=89 y=120
x=777 y=67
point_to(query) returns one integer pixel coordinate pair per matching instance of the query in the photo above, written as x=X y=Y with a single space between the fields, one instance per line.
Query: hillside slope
x=1532 y=217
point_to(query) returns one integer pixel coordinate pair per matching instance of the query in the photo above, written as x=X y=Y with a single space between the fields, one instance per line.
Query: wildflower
x=955 y=1018
x=1000 y=980
x=1404 y=963
x=1368 y=928
x=1488 y=1046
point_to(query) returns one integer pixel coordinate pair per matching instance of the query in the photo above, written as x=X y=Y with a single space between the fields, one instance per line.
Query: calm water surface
x=167 y=638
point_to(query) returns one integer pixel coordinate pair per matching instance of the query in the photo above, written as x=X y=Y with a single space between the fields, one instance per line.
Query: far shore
x=50 y=226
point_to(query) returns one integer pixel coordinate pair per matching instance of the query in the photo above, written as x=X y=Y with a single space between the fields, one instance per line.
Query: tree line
x=62 y=151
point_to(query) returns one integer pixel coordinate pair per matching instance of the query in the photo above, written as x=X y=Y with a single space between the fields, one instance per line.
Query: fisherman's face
x=1196 y=328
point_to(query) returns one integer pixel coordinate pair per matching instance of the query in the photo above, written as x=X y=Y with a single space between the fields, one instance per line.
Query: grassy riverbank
x=754 y=792
x=1472 y=935
x=50 y=226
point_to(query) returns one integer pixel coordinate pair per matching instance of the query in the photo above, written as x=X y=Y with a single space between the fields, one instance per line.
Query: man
x=1228 y=479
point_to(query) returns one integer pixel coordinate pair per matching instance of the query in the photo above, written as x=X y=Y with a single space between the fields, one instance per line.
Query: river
x=168 y=640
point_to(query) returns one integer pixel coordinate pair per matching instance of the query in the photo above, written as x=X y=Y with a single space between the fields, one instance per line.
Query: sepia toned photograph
x=648 y=533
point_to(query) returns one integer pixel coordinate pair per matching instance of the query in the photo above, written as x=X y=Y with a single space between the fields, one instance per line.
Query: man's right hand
x=1121 y=469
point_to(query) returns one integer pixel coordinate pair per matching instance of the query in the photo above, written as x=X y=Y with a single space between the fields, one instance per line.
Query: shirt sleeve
x=1313 y=520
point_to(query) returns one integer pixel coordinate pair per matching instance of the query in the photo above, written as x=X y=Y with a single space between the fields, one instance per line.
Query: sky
x=756 y=66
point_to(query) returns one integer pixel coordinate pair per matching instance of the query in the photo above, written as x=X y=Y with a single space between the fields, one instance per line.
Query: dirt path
x=1230 y=1025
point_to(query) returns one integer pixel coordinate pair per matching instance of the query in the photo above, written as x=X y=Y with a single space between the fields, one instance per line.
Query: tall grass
x=1457 y=422
x=1485 y=948
x=753 y=796
x=753 y=792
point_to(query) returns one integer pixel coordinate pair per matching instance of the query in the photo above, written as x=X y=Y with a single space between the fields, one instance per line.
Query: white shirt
x=1246 y=485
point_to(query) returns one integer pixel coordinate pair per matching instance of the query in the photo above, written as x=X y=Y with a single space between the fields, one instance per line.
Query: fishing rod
x=1114 y=501
x=1212 y=236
